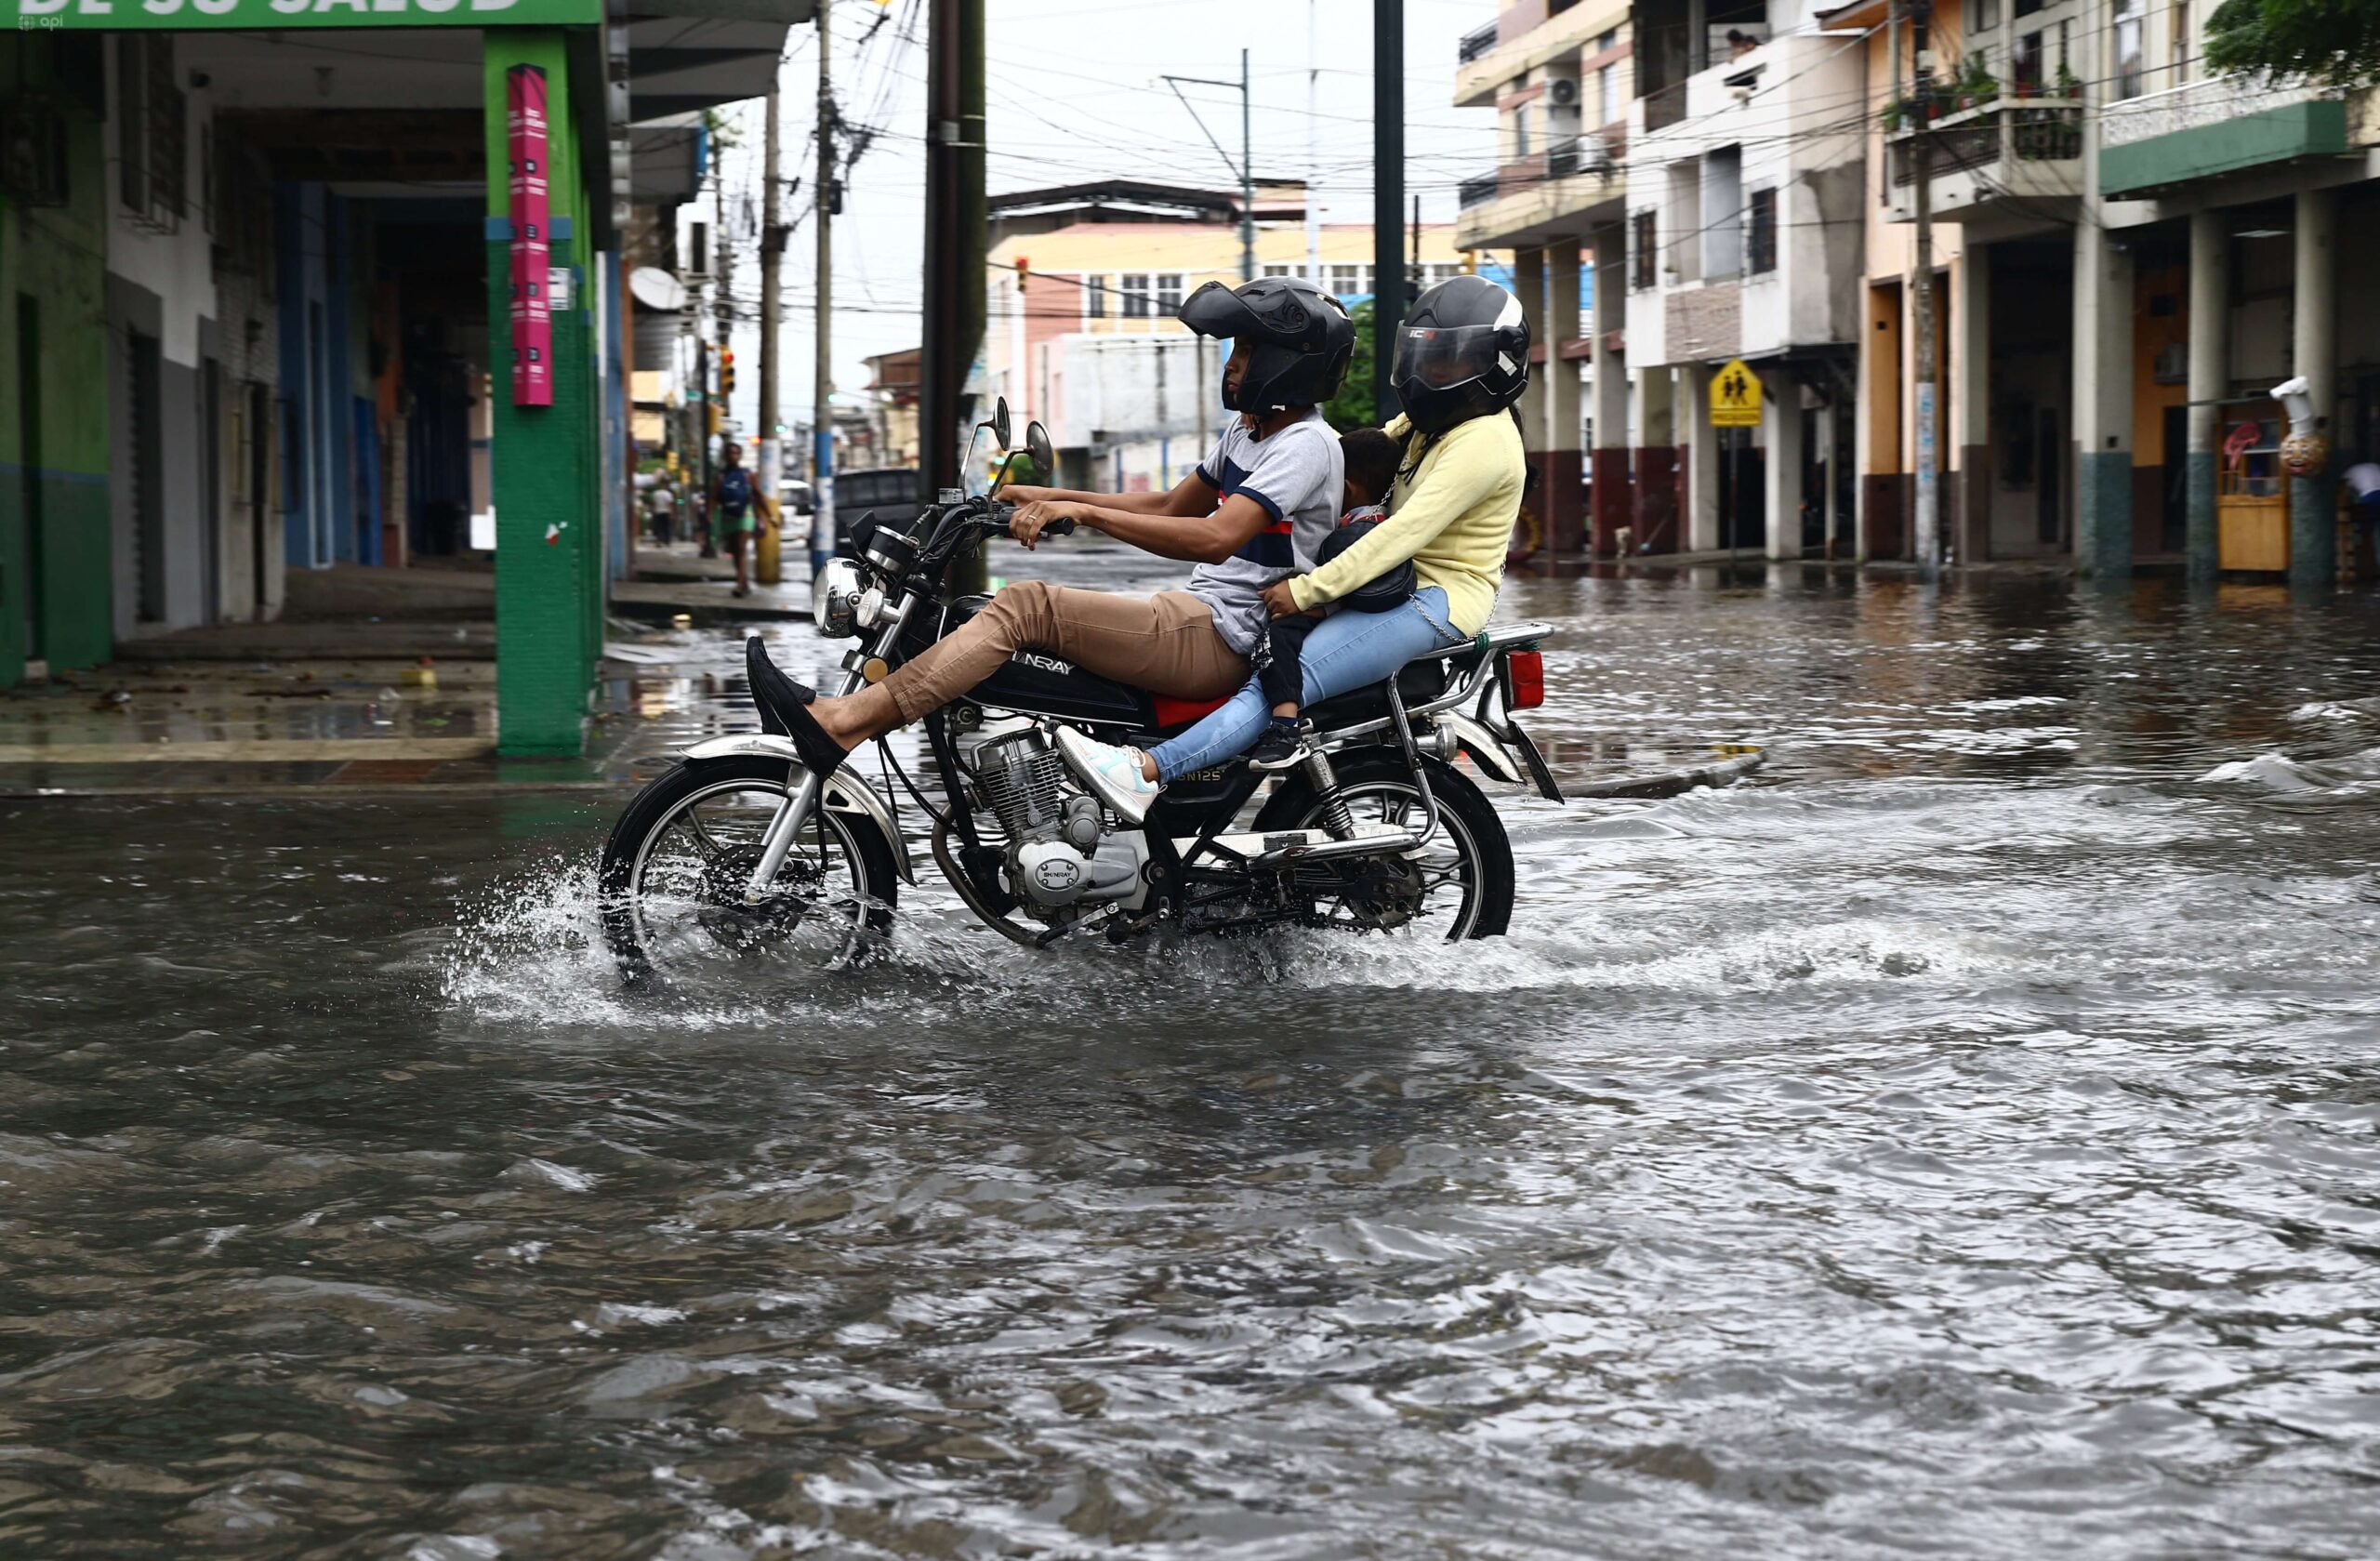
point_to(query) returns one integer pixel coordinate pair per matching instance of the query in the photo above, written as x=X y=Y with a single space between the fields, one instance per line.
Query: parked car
x=890 y=493
x=795 y=498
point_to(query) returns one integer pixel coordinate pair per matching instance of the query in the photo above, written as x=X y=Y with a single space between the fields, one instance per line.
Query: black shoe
x=1282 y=744
x=783 y=706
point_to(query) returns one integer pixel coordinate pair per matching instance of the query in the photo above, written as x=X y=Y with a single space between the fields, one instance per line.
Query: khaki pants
x=1166 y=644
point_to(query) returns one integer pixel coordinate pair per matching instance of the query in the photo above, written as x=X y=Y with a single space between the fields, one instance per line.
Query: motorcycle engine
x=1058 y=850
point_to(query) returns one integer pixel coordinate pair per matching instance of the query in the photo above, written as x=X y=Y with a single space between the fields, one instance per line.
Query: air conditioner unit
x=1562 y=92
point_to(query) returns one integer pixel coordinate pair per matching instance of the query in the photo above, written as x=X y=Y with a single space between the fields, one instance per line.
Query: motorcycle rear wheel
x=1466 y=869
x=674 y=866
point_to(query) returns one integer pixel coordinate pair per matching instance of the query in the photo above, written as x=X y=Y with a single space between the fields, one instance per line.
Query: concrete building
x=1080 y=329
x=263 y=306
x=1561 y=79
x=1744 y=228
x=2132 y=253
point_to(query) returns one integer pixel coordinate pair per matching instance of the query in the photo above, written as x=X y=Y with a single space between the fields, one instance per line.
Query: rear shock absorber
x=1325 y=781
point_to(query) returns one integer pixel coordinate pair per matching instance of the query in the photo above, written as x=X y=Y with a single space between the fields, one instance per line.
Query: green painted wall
x=2269 y=135
x=2103 y=515
x=56 y=256
x=544 y=461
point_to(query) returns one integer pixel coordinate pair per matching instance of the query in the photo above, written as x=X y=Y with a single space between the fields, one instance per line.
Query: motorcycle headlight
x=834 y=598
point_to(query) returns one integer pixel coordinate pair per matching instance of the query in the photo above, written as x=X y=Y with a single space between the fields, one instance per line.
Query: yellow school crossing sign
x=1734 y=397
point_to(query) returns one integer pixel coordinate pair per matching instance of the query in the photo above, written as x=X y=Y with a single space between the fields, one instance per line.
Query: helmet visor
x=1214 y=310
x=1440 y=356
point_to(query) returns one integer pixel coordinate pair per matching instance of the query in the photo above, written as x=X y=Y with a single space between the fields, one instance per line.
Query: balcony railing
x=2193 y=105
x=1999 y=131
x=1596 y=154
x=1476 y=41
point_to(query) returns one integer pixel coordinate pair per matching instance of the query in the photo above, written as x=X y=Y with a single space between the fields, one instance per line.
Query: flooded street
x=1961 y=1141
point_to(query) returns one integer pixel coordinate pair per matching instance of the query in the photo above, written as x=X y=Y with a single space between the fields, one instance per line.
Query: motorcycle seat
x=1417 y=682
x=1172 y=714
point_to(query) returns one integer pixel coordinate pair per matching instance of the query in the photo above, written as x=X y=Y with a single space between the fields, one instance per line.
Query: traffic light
x=1024 y=272
x=726 y=372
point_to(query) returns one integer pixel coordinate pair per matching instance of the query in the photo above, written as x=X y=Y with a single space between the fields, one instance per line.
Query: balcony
x=2007 y=159
x=2220 y=125
x=1527 y=35
x=1476 y=41
x=1542 y=197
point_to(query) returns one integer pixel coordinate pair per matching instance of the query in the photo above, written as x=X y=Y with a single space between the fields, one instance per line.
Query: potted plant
x=2069 y=85
x=1981 y=86
x=1894 y=115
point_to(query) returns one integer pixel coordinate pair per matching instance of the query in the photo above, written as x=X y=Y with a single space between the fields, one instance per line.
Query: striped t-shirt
x=1297 y=477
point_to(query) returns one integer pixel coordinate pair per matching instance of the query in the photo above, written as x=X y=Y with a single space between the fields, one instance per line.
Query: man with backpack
x=732 y=503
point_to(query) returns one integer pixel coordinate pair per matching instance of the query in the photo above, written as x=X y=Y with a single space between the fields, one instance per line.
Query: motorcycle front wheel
x=675 y=867
x=1461 y=885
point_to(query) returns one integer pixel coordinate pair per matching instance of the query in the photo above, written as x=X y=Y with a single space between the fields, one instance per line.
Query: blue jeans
x=1346 y=651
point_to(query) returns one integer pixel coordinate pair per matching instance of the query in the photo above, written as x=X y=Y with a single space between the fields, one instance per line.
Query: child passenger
x=1371 y=457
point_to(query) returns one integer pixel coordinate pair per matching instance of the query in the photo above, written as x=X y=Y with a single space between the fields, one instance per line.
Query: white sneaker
x=1113 y=774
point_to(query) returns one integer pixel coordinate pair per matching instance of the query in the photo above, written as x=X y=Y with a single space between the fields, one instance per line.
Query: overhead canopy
x=685 y=56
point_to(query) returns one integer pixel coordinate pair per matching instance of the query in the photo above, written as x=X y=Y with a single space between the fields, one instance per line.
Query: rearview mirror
x=1038 y=451
x=999 y=421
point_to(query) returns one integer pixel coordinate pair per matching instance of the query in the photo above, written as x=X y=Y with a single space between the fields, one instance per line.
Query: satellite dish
x=657 y=289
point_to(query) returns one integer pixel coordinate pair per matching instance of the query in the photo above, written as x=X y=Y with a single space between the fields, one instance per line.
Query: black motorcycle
x=738 y=846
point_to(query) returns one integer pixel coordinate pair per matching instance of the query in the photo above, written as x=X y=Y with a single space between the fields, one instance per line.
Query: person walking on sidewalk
x=732 y=502
x=1258 y=507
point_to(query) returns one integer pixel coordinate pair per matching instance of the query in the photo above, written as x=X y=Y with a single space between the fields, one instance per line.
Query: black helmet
x=1462 y=353
x=1303 y=337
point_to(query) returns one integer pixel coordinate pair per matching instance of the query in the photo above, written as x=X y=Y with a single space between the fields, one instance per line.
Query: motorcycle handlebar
x=1001 y=514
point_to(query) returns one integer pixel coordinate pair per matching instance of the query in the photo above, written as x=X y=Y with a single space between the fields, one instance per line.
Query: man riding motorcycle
x=1259 y=506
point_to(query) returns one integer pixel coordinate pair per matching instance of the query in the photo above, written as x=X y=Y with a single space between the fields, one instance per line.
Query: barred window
x=1760 y=243
x=1169 y=292
x=151 y=153
x=1643 y=240
x=1094 y=297
x=1135 y=285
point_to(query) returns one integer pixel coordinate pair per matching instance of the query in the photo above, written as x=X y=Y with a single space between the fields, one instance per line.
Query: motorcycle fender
x=845 y=793
x=1485 y=751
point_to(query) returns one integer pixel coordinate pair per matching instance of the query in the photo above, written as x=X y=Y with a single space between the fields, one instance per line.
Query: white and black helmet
x=1463 y=352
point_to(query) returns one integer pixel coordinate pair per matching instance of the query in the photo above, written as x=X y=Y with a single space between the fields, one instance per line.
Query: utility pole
x=722 y=324
x=1313 y=156
x=1388 y=196
x=766 y=458
x=1246 y=181
x=1920 y=290
x=825 y=195
x=955 y=259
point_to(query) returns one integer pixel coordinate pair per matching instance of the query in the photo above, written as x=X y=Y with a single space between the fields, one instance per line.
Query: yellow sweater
x=1453 y=517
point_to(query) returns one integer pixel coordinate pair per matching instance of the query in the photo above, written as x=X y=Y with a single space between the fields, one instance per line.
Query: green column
x=543 y=461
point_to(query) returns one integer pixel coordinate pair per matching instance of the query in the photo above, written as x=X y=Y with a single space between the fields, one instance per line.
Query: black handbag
x=1390 y=589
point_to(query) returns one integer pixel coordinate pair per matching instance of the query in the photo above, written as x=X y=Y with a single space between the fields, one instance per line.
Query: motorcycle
x=740 y=847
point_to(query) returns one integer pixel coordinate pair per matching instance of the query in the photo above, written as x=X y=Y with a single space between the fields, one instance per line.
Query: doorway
x=146 y=448
x=28 y=464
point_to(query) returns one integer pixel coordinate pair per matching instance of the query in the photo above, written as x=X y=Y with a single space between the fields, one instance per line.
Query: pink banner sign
x=533 y=333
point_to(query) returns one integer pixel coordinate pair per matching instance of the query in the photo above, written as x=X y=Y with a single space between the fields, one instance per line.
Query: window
x=1094 y=297
x=1520 y=133
x=1281 y=270
x=1643 y=240
x=2025 y=65
x=2178 y=35
x=1982 y=15
x=1608 y=109
x=2127 y=47
x=1169 y=293
x=1347 y=282
x=2026 y=7
x=1135 y=285
x=1608 y=41
x=1760 y=238
x=150 y=128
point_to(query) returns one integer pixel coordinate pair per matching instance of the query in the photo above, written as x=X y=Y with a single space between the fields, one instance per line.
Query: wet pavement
x=1960 y=1141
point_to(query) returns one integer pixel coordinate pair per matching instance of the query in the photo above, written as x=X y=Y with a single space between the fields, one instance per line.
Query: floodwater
x=1960 y=1143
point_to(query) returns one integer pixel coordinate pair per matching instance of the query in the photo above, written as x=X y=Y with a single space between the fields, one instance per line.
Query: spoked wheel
x=676 y=864
x=1459 y=886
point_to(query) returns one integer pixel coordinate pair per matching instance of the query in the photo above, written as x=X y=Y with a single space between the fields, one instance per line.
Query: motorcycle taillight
x=1523 y=680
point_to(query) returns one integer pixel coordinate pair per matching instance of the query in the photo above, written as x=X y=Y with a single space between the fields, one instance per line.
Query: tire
x=857 y=878
x=1466 y=821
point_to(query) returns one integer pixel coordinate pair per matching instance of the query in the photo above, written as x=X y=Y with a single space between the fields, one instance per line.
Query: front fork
x=786 y=827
